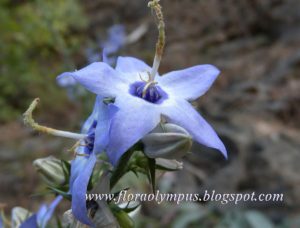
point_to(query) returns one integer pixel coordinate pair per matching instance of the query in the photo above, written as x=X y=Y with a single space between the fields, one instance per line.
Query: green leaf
x=151 y=164
x=124 y=219
x=130 y=209
x=135 y=173
x=64 y=193
x=66 y=169
x=121 y=168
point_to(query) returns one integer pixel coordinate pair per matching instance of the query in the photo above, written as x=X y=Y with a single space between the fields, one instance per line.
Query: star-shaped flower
x=142 y=102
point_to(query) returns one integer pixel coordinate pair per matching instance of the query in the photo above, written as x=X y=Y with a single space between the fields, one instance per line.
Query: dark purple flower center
x=90 y=139
x=153 y=93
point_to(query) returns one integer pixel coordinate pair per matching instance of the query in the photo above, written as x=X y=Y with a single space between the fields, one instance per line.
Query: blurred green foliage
x=38 y=38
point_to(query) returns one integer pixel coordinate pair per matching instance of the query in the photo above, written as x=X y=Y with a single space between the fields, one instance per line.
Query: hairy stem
x=154 y=4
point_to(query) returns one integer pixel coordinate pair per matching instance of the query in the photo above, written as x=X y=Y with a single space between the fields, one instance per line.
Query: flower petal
x=131 y=65
x=189 y=83
x=66 y=81
x=79 y=190
x=31 y=222
x=133 y=121
x=43 y=216
x=184 y=115
x=103 y=114
x=79 y=162
x=77 y=165
x=99 y=78
x=103 y=126
x=93 y=117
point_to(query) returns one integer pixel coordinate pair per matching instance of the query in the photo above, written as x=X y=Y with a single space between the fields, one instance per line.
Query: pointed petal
x=66 y=82
x=99 y=78
x=31 y=222
x=189 y=83
x=43 y=216
x=184 y=115
x=77 y=165
x=103 y=126
x=79 y=190
x=93 y=117
x=133 y=121
x=131 y=65
x=41 y=213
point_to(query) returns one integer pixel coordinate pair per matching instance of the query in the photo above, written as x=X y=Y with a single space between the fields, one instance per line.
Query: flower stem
x=29 y=121
x=154 y=4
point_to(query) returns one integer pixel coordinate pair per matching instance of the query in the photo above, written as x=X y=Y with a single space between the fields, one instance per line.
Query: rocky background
x=254 y=105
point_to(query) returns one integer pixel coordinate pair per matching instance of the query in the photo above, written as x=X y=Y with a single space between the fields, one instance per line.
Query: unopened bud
x=68 y=220
x=169 y=141
x=51 y=170
x=18 y=216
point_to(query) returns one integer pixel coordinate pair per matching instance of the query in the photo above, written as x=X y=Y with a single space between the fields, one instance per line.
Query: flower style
x=142 y=102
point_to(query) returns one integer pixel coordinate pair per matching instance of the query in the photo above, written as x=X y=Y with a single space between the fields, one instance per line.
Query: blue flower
x=92 y=55
x=97 y=128
x=142 y=101
x=116 y=39
x=41 y=218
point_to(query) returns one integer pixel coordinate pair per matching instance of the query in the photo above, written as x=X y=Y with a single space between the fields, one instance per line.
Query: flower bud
x=18 y=216
x=51 y=170
x=167 y=141
x=68 y=220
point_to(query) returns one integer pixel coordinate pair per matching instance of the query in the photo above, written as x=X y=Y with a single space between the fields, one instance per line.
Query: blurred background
x=253 y=105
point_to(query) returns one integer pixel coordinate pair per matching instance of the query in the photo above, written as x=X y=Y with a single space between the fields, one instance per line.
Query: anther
x=147 y=86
